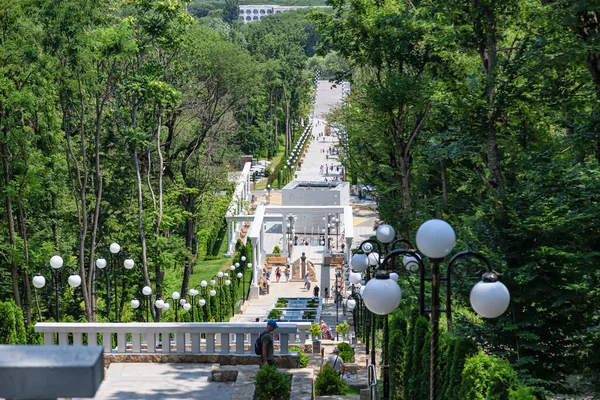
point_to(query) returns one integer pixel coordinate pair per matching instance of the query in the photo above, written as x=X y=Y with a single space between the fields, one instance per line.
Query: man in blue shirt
x=267 y=343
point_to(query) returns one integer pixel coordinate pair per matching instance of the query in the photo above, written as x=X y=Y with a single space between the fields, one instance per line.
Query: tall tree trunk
x=140 y=199
x=90 y=312
x=83 y=181
x=14 y=271
x=486 y=29
x=190 y=226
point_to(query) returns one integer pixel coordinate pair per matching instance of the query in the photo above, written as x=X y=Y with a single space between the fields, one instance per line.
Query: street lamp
x=382 y=295
x=204 y=293
x=177 y=302
x=112 y=268
x=56 y=270
x=220 y=276
x=145 y=296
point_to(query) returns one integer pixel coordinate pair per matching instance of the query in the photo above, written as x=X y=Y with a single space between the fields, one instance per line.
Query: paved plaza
x=191 y=381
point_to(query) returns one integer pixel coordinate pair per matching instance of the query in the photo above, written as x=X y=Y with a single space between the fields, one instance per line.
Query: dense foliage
x=485 y=114
x=119 y=122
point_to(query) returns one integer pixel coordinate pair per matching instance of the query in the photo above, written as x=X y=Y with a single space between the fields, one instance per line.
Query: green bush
x=281 y=302
x=303 y=357
x=276 y=250
x=347 y=356
x=274 y=314
x=328 y=382
x=12 y=324
x=33 y=337
x=344 y=347
x=271 y=384
x=486 y=377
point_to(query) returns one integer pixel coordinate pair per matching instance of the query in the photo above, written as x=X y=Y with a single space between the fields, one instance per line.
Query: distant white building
x=250 y=13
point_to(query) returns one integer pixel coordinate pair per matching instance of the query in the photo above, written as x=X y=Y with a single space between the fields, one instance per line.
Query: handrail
x=372 y=379
x=182 y=338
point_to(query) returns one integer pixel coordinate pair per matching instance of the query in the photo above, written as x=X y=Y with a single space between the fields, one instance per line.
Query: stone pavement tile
x=161 y=381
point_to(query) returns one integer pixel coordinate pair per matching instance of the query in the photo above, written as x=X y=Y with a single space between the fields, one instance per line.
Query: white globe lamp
x=359 y=262
x=56 y=262
x=115 y=248
x=39 y=281
x=382 y=295
x=159 y=303
x=175 y=295
x=385 y=233
x=74 y=280
x=435 y=238
x=355 y=278
x=128 y=263
x=201 y=302
x=411 y=263
x=135 y=303
x=101 y=263
x=489 y=297
x=147 y=290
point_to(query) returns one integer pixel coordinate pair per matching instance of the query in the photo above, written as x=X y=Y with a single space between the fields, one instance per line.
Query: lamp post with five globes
x=204 y=293
x=435 y=239
x=56 y=270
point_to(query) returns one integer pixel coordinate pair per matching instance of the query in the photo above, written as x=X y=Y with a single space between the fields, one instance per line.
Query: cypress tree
x=398 y=337
x=12 y=324
x=408 y=358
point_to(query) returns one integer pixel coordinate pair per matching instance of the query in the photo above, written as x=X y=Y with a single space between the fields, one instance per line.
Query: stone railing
x=183 y=338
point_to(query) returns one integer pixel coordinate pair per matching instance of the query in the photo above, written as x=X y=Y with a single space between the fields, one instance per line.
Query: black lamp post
x=112 y=270
x=220 y=277
x=241 y=267
x=177 y=301
x=55 y=269
x=204 y=293
x=382 y=295
x=145 y=296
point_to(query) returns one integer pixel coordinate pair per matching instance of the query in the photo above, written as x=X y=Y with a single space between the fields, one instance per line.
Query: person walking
x=267 y=343
x=278 y=274
x=287 y=274
x=306 y=282
x=316 y=291
x=335 y=361
x=326 y=294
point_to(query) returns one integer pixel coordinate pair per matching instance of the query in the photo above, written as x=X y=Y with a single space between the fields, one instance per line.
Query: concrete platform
x=152 y=381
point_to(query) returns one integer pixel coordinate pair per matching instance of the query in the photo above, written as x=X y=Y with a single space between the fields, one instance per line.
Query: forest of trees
x=119 y=122
x=486 y=114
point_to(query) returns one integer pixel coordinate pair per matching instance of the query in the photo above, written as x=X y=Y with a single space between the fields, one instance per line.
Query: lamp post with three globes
x=55 y=269
x=112 y=270
x=145 y=296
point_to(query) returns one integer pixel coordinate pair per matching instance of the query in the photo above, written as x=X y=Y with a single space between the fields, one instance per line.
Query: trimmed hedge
x=328 y=382
x=271 y=384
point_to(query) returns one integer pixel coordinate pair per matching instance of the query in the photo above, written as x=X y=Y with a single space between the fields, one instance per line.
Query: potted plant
x=315 y=332
x=342 y=329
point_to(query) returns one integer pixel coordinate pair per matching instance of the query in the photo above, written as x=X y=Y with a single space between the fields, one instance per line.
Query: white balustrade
x=180 y=338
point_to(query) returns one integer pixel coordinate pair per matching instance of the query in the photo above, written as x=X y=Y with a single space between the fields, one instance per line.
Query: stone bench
x=50 y=372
